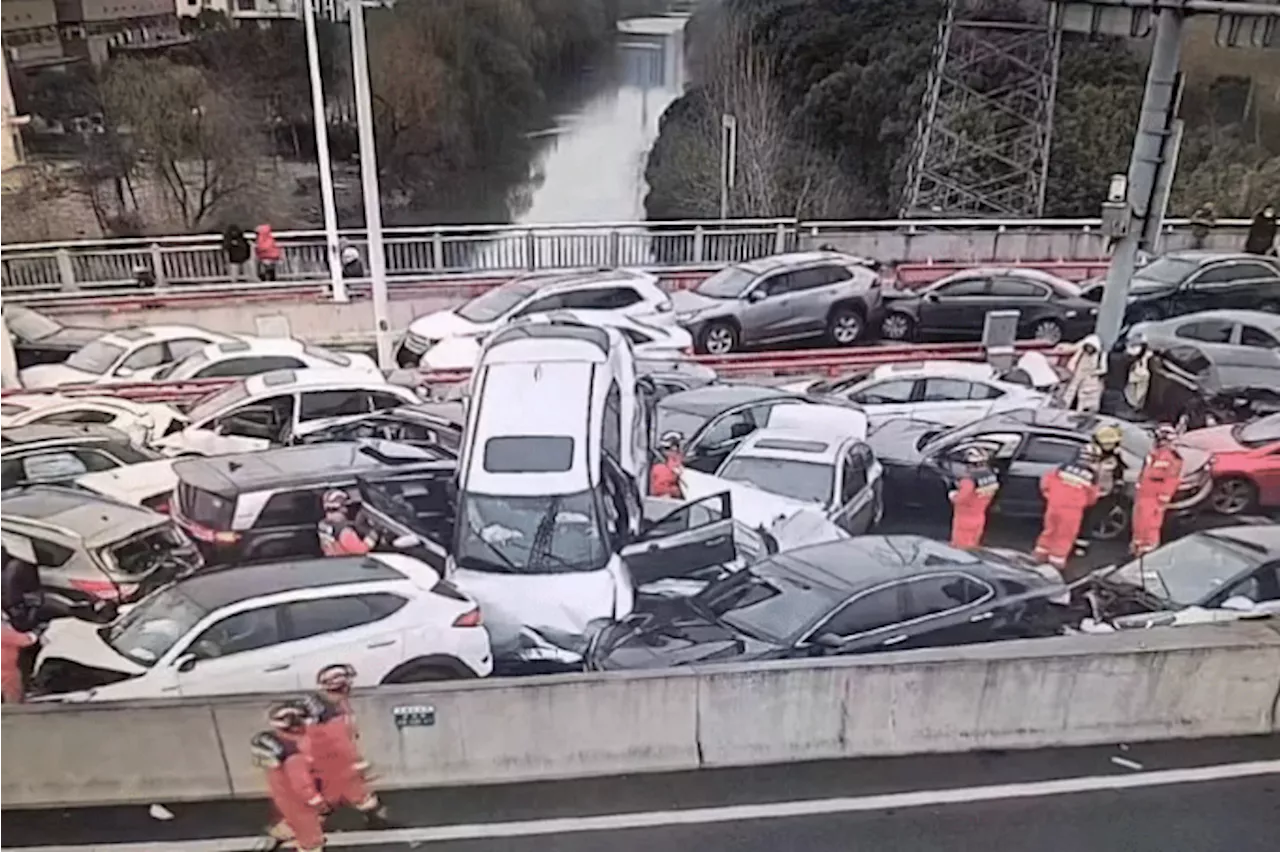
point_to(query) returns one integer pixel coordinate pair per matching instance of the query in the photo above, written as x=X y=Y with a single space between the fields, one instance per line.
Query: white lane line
x=728 y=813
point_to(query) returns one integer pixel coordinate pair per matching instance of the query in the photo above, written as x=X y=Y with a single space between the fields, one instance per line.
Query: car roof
x=1028 y=273
x=799 y=258
x=96 y=519
x=1261 y=319
x=307 y=464
x=1203 y=256
x=1266 y=536
x=339 y=377
x=539 y=330
x=854 y=564
x=791 y=445
x=254 y=346
x=65 y=433
x=593 y=278
x=968 y=370
x=139 y=334
x=710 y=400
x=220 y=587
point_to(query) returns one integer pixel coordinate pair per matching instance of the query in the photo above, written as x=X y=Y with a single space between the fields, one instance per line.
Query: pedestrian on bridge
x=282 y=753
x=333 y=741
x=1262 y=232
x=268 y=252
x=1203 y=222
x=238 y=250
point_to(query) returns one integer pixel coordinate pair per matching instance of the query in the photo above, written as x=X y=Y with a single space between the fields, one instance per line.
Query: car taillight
x=470 y=618
x=226 y=537
x=102 y=589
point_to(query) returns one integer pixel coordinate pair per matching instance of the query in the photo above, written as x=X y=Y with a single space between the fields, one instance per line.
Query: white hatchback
x=270 y=628
x=124 y=355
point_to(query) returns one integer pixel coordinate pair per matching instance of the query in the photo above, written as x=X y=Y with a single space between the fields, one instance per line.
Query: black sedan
x=1051 y=309
x=38 y=339
x=921 y=462
x=869 y=593
x=1183 y=282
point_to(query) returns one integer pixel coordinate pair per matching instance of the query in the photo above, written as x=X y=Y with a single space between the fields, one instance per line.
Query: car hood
x=1215 y=439
x=677 y=635
x=897 y=440
x=1141 y=287
x=445 y=324
x=78 y=641
x=452 y=353
x=791 y=522
x=690 y=302
x=55 y=375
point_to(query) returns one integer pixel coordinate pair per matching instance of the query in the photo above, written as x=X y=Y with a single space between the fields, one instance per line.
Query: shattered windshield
x=149 y=630
x=773 y=609
x=555 y=534
x=810 y=482
x=1191 y=569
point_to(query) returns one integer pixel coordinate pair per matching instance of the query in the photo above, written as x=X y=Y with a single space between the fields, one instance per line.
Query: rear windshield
x=205 y=508
x=218 y=402
x=529 y=454
x=96 y=357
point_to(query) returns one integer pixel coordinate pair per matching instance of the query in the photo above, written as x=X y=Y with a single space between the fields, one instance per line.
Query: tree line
x=827 y=94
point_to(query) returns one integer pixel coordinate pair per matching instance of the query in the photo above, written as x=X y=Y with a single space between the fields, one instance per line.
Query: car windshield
x=96 y=357
x=187 y=366
x=1258 y=433
x=1166 y=270
x=492 y=305
x=800 y=480
x=554 y=534
x=772 y=609
x=218 y=402
x=147 y=632
x=1191 y=569
x=29 y=325
x=728 y=283
x=686 y=423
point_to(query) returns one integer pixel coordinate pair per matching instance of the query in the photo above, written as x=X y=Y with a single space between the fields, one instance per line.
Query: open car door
x=689 y=539
x=413 y=509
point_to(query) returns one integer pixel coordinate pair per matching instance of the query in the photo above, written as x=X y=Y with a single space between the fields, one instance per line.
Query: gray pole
x=322 y=155
x=369 y=180
x=1145 y=167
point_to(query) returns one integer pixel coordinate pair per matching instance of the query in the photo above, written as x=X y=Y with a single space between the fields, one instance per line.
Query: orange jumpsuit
x=10 y=670
x=336 y=759
x=292 y=788
x=664 y=479
x=1157 y=483
x=341 y=539
x=970 y=501
x=1068 y=492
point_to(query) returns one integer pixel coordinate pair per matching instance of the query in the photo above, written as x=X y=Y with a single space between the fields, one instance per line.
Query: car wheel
x=898 y=326
x=1233 y=496
x=844 y=327
x=1111 y=524
x=1048 y=331
x=720 y=338
x=420 y=673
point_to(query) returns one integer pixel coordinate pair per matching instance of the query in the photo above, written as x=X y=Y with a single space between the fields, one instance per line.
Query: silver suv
x=784 y=297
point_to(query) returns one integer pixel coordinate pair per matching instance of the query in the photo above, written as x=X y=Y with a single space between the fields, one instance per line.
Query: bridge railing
x=423 y=252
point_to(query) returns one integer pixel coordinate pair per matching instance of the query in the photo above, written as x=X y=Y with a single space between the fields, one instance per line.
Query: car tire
x=1047 y=331
x=898 y=327
x=845 y=326
x=719 y=338
x=1111 y=525
x=420 y=673
x=1233 y=496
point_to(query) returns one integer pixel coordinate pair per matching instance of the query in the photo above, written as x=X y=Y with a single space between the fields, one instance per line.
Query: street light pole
x=728 y=160
x=322 y=155
x=369 y=181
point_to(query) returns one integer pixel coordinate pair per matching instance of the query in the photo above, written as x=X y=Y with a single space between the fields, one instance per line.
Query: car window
x=776 y=285
x=235 y=634
x=611 y=428
x=1221 y=273
x=251 y=366
x=818 y=276
x=1209 y=331
x=1043 y=450
x=1252 y=271
x=732 y=426
x=380 y=401
x=979 y=391
x=871 y=611
x=934 y=595
x=52 y=465
x=546 y=303
x=885 y=393
x=152 y=355
x=1013 y=288
x=291 y=509
x=1253 y=336
x=964 y=287
x=329 y=615
x=49 y=554
x=708 y=510
x=600 y=298
x=334 y=403
x=80 y=416
x=265 y=418
x=946 y=390
x=184 y=347
x=854 y=474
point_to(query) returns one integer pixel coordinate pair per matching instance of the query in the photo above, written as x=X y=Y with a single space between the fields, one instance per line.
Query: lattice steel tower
x=983 y=137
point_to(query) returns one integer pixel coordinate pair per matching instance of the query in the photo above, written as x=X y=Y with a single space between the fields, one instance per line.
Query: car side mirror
x=930 y=297
x=828 y=640
x=406 y=542
x=757 y=295
x=187 y=662
x=1239 y=603
x=740 y=430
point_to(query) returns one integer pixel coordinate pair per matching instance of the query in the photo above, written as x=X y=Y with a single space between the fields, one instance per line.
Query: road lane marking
x=726 y=813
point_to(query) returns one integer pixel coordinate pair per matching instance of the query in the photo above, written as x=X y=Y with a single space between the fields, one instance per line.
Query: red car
x=1246 y=464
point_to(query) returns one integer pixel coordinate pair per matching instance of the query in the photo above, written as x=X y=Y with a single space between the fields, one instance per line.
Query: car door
x=955 y=309
x=694 y=537
x=885 y=399
x=712 y=445
x=419 y=504
x=864 y=622
x=949 y=401
x=1224 y=284
x=767 y=310
x=1028 y=298
x=947 y=608
x=1019 y=494
x=239 y=652
x=859 y=508
x=352 y=628
x=814 y=290
x=1259 y=349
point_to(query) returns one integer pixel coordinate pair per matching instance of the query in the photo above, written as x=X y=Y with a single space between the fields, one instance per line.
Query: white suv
x=270 y=628
x=630 y=291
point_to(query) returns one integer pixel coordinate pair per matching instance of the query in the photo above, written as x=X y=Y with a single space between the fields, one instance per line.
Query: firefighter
x=1157 y=483
x=664 y=477
x=339 y=536
x=1068 y=491
x=332 y=737
x=973 y=495
x=283 y=756
x=12 y=690
x=1109 y=470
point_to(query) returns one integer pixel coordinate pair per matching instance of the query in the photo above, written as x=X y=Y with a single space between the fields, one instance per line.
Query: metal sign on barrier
x=999 y=337
x=415 y=716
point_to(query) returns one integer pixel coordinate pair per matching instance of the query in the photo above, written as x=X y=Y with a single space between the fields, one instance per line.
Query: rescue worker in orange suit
x=664 y=477
x=1068 y=492
x=14 y=642
x=333 y=744
x=1157 y=483
x=1109 y=470
x=973 y=495
x=339 y=535
x=283 y=755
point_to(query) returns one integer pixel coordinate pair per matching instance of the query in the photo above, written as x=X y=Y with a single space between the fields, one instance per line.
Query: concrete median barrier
x=1158 y=684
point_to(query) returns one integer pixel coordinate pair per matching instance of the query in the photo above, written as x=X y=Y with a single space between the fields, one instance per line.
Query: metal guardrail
x=804 y=362
x=423 y=252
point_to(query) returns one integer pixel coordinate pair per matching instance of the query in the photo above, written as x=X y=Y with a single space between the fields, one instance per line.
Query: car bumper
x=1191 y=502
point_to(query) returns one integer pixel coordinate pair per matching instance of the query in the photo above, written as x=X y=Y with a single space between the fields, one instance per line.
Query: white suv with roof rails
x=272 y=409
x=124 y=355
x=254 y=355
x=633 y=292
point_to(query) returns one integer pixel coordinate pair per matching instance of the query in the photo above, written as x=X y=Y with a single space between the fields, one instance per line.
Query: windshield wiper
x=506 y=562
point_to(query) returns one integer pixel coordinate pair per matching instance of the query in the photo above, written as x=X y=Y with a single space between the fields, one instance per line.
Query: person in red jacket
x=283 y=756
x=268 y=252
x=1157 y=483
x=338 y=534
x=971 y=499
x=1068 y=492
x=333 y=744
x=664 y=477
x=12 y=690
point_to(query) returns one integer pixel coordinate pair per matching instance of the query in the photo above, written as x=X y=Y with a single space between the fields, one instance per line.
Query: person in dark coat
x=238 y=250
x=1262 y=232
x=1202 y=222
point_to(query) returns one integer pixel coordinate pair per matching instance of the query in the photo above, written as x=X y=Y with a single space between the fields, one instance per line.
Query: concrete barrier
x=1160 y=684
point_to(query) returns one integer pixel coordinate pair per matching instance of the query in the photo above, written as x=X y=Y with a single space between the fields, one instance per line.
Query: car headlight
x=686 y=316
x=1072 y=314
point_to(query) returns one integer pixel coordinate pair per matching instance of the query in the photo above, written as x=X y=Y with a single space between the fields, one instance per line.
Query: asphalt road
x=1199 y=795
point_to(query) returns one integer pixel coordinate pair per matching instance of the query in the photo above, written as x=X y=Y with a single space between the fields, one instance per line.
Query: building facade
x=29 y=30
